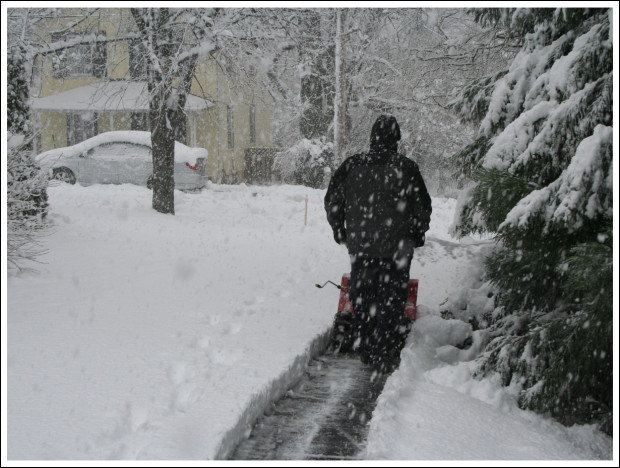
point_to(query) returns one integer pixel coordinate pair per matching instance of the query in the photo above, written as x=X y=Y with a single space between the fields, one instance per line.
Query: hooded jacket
x=377 y=202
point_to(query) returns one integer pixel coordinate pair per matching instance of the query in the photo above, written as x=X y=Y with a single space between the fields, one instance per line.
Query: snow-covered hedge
x=309 y=162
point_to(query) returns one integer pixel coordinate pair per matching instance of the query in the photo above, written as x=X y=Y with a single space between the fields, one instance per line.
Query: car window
x=120 y=151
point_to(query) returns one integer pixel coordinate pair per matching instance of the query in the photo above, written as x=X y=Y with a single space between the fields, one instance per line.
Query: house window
x=80 y=127
x=252 y=124
x=87 y=59
x=137 y=60
x=231 y=131
x=140 y=121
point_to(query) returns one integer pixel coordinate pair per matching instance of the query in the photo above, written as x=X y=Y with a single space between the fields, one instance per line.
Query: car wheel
x=64 y=174
x=149 y=182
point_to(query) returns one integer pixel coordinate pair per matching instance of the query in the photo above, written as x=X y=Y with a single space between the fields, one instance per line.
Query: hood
x=385 y=134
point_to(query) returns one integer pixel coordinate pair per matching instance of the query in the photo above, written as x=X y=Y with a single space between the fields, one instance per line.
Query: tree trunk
x=157 y=34
x=317 y=82
x=341 y=99
x=162 y=140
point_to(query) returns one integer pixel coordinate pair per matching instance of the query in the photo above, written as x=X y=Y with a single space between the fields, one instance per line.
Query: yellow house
x=100 y=86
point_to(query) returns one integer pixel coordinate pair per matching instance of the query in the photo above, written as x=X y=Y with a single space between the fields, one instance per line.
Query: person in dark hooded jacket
x=378 y=205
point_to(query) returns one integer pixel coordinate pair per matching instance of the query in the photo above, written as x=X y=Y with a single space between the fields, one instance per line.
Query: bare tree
x=407 y=62
x=174 y=40
x=162 y=34
x=411 y=63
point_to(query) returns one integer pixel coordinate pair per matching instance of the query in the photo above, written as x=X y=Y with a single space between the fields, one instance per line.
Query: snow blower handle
x=320 y=287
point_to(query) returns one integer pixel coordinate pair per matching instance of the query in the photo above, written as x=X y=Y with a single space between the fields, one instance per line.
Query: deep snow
x=150 y=336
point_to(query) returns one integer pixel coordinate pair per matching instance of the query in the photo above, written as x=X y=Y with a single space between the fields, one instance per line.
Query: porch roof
x=108 y=96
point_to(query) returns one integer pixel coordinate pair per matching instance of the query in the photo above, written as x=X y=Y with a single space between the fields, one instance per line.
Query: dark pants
x=378 y=291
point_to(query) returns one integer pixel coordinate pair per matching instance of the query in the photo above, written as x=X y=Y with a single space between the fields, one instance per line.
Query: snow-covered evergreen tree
x=18 y=112
x=541 y=167
x=26 y=186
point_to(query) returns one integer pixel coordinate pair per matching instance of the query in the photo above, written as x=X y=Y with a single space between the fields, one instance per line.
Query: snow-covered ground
x=150 y=336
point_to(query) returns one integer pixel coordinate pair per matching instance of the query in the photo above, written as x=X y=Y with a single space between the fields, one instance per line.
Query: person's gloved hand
x=340 y=236
x=418 y=239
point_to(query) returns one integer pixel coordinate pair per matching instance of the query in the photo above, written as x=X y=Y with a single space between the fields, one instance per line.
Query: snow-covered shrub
x=309 y=162
x=26 y=197
x=542 y=170
x=26 y=203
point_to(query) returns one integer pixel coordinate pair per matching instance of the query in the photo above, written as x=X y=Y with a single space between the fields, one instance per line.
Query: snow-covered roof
x=106 y=96
x=182 y=153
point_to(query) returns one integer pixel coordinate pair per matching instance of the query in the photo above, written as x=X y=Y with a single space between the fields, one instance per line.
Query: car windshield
x=120 y=151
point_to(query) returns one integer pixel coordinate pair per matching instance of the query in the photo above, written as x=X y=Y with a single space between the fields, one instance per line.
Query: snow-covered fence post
x=306 y=212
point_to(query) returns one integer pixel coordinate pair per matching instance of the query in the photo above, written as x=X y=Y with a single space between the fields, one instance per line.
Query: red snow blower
x=343 y=335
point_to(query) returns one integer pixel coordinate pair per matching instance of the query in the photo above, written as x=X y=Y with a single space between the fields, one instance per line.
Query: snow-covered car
x=122 y=157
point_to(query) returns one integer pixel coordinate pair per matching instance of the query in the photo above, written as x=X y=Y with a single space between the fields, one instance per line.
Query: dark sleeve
x=335 y=204
x=422 y=208
x=423 y=204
